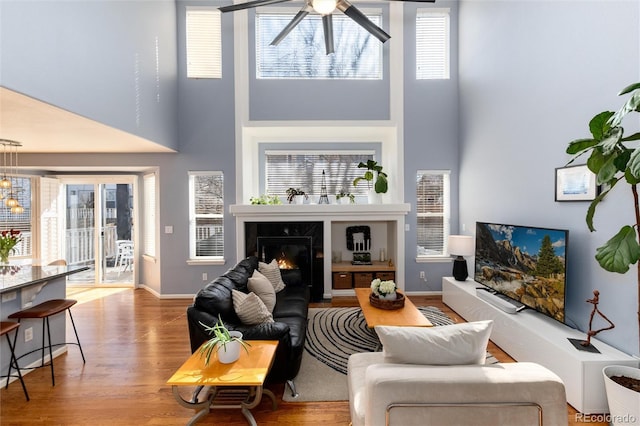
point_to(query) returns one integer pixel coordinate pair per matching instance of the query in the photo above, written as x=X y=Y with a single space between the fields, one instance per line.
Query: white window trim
x=193 y=259
x=151 y=224
x=445 y=257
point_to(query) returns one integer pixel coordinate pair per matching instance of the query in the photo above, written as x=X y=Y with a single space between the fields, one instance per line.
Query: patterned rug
x=334 y=334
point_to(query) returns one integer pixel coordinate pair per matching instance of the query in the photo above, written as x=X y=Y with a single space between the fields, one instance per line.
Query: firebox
x=290 y=252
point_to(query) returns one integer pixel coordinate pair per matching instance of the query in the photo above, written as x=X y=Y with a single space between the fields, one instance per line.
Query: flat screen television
x=524 y=263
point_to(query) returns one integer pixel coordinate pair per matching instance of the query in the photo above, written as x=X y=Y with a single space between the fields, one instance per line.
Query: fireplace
x=294 y=245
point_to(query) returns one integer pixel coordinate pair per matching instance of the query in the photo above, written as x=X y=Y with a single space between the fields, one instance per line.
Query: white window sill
x=201 y=262
x=434 y=259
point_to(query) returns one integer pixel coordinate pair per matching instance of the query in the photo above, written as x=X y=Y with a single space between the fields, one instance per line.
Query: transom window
x=433 y=212
x=301 y=55
x=206 y=215
x=304 y=170
x=432 y=44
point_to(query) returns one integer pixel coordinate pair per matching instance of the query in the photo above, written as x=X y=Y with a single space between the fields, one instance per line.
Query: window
x=301 y=55
x=432 y=209
x=204 y=43
x=150 y=206
x=206 y=215
x=432 y=44
x=21 y=191
x=303 y=170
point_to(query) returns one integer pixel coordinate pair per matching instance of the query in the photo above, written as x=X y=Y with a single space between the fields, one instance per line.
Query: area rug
x=334 y=334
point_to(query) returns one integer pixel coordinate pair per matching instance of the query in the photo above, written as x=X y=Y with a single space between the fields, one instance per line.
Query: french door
x=98 y=229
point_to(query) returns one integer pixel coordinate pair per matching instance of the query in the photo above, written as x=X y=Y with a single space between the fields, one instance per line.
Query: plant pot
x=230 y=352
x=374 y=197
x=624 y=403
x=299 y=199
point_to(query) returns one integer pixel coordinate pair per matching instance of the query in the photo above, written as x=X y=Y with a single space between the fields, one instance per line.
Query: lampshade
x=461 y=245
x=324 y=7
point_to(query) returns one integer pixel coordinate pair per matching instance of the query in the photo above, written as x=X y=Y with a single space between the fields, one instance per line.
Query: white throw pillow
x=250 y=308
x=456 y=344
x=272 y=272
x=262 y=287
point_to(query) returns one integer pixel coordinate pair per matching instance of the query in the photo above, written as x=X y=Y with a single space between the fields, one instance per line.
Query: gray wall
x=430 y=141
x=111 y=61
x=532 y=74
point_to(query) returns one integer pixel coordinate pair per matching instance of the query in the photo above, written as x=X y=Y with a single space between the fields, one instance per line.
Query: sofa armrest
x=510 y=393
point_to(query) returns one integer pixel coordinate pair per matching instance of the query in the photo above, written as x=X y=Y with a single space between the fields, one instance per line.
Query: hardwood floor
x=133 y=343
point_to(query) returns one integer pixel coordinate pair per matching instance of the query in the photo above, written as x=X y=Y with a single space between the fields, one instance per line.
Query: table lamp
x=459 y=246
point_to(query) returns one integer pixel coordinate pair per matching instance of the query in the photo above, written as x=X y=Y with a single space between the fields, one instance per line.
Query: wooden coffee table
x=236 y=385
x=407 y=316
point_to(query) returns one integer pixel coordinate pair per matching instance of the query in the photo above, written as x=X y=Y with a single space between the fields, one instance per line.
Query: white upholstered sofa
x=384 y=390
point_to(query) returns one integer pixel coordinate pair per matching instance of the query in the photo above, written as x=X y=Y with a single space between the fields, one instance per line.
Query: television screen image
x=524 y=263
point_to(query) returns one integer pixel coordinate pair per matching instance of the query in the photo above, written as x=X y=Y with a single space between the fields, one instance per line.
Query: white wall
x=532 y=74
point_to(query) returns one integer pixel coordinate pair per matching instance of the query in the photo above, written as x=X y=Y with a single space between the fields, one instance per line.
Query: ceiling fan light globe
x=324 y=7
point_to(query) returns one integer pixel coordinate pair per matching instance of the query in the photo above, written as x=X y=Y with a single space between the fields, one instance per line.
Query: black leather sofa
x=290 y=317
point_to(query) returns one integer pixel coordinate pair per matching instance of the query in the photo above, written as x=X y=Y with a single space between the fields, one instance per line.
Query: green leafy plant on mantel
x=614 y=162
x=265 y=199
x=373 y=174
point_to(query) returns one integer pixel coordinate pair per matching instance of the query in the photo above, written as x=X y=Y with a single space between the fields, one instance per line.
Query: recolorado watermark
x=605 y=418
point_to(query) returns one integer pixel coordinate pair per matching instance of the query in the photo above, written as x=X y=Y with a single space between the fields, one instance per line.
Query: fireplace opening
x=289 y=252
x=296 y=246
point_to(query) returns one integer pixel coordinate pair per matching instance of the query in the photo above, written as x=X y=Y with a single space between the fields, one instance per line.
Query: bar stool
x=44 y=310
x=5 y=328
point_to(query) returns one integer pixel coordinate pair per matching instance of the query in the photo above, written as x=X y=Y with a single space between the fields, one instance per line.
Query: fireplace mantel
x=319 y=210
x=330 y=214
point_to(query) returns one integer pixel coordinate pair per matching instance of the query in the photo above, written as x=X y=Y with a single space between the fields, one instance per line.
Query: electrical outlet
x=28 y=334
x=407 y=228
x=204 y=276
x=422 y=275
x=6 y=297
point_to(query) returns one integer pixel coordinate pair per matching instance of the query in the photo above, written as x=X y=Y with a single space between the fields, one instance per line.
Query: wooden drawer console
x=347 y=276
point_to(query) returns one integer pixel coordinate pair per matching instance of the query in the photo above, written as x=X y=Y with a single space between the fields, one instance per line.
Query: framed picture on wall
x=576 y=183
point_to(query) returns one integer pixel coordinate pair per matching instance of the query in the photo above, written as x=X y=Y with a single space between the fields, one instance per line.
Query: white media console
x=530 y=336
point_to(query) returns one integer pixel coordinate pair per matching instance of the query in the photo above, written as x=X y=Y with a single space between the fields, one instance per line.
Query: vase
x=230 y=352
x=4 y=256
x=374 y=197
x=624 y=403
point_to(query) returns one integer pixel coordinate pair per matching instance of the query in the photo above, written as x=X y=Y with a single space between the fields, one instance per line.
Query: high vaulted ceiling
x=44 y=128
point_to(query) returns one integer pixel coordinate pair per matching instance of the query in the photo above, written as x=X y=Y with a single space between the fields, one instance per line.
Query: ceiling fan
x=324 y=8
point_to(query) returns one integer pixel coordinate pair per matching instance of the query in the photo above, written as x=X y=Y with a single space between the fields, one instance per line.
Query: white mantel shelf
x=319 y=209
x=392 y=214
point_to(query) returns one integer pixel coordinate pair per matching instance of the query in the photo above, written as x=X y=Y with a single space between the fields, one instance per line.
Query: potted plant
x=226 y=343
x=614 y=162
x=374 y=176
x=265 y=199
x=297 y=195
x=344 y=197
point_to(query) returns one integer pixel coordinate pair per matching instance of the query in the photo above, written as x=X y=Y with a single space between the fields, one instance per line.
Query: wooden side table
x=238 y=385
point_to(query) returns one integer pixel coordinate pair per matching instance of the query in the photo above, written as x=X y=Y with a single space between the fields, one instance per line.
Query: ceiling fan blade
x=327 y=26
x=352 y=12
x=248 y=5
x=292 y=24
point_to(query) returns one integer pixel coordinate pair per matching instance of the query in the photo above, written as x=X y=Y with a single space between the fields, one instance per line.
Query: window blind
x=302 y=55
x=204 y=43
x=433 y=212
x=50 y=226
x=21 y=191
x=432 y=44
x=150 y=206
x=206 y=190
x=304 y=170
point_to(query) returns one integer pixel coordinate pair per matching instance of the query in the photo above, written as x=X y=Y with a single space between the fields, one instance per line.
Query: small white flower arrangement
x=383 y=288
